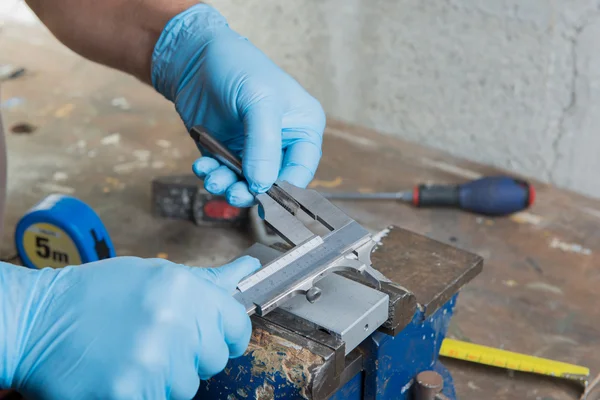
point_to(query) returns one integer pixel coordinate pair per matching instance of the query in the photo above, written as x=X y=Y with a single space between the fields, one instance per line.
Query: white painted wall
x=511 y=83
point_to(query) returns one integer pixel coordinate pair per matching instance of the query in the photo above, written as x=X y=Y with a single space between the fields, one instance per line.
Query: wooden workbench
x=102 y=136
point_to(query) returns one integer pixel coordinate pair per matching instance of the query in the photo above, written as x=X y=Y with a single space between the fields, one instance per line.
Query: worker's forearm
x=117 y=33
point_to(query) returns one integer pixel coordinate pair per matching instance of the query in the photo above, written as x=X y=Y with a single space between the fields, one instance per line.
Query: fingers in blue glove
x=237 y=331
x=220 y=180
x=300 y=163
x=229 y=275
x=213 y=352
x=204 y=166
x=235 y=326
x=262 y=150
x=238 y=195
x=185 y=383
x=225 y=339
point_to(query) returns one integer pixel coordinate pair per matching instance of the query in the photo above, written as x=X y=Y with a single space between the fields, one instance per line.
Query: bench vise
x=337 y=312
x=290 y=357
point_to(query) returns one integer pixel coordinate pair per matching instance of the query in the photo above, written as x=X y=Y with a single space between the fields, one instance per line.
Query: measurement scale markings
x=280 y=263
x=267 y=294
x=515 y=361
x=314 y=264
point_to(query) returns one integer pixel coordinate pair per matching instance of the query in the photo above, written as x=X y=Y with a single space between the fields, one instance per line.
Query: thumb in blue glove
x=220 y=81
x=120 y=328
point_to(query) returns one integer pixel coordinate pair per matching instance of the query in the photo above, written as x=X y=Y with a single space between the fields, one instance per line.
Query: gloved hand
x=123 y=328
x=220 y=81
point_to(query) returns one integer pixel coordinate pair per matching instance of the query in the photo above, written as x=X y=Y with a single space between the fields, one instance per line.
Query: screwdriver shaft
x=402 y=196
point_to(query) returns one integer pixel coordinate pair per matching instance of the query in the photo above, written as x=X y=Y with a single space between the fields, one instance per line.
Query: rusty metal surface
x=537 y=294
x=432 y=270
x=328 y=376
x=312 y=332
x=310 y=360
x=305 y=364
x=403 y=305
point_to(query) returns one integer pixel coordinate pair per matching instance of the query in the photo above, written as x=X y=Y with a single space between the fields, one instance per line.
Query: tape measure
x=59 y=231
x=510 y=360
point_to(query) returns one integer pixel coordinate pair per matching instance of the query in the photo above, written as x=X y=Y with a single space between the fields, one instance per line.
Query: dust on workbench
x=103 y=136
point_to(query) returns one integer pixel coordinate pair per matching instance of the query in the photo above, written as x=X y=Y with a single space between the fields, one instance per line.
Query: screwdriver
x=493 y=196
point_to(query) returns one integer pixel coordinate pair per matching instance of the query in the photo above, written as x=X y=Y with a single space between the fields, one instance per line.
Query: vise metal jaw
x=293 y=357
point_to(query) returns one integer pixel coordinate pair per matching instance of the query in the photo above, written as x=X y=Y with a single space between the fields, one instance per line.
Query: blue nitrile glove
x=122 y=328
x=220 y=81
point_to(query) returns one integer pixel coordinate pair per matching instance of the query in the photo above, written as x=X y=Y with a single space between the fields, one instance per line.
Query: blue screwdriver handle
x=493 y=196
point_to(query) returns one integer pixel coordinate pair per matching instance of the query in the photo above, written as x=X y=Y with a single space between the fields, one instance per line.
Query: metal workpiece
x=428 y=384
x=402 y=304
x=346 y=309
x=402 y=308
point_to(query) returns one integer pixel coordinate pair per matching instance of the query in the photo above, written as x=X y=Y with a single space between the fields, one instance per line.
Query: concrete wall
x=511 y=83
x=508 y=82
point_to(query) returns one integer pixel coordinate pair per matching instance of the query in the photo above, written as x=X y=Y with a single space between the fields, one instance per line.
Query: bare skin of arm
x=118 y=33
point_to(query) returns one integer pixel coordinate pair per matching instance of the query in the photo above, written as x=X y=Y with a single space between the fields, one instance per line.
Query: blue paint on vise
x=246 y=378
x=448 y=390
x=391 y=363
x=353 y=390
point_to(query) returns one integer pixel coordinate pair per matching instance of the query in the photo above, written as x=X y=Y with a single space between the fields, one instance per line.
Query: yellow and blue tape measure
x=59 y=231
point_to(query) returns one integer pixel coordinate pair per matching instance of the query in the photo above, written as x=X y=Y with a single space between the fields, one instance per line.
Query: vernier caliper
x=347 y=246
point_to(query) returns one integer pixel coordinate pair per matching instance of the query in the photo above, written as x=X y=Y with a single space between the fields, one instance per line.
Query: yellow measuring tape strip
x=510 y=360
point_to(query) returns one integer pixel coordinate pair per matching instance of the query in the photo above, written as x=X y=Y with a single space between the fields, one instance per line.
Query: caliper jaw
x=344 y=248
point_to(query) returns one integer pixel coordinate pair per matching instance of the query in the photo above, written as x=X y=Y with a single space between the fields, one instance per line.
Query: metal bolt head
x=313 y=294
x=427 y=385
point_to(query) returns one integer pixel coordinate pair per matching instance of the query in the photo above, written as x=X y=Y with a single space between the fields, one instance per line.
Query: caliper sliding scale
x=346 y=247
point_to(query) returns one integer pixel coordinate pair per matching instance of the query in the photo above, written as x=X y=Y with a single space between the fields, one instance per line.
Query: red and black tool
x=184 y=197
